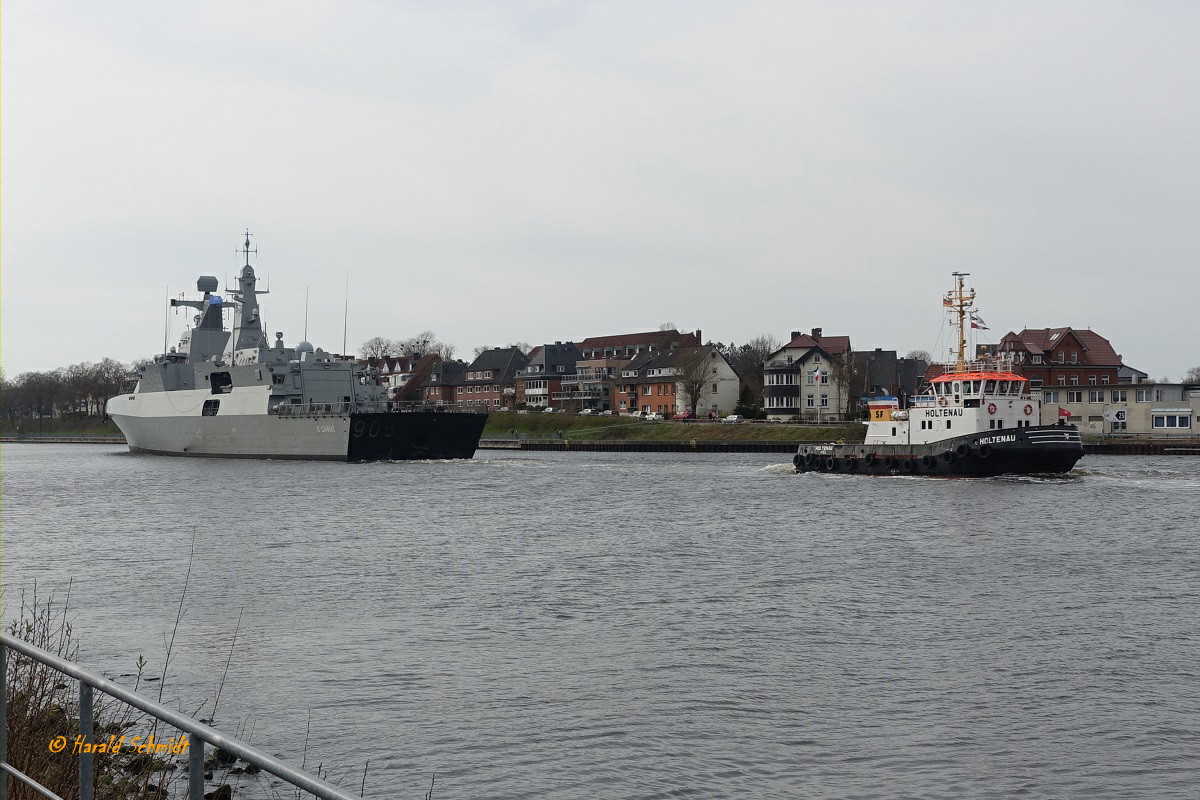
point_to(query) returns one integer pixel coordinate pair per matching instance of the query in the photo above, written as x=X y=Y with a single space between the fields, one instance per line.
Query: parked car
x=588 y=412
x=683 y=415
x=653 y=416
x=734 y=418
x=549 y=410
x=608 y=412
x=503 y=409
x=522 y=410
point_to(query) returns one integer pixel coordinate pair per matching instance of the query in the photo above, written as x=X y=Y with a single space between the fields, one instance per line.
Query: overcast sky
x=524 y=171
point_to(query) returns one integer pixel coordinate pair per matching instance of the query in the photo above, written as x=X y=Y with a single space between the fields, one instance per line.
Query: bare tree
x=848 y=379
x=919 y=355
x=377 y=347
x=524 y=347
x=695 y=373
x=748 y=361
x=425 y=343
x=667 y=326
x=479 y=350
x=1192 y=375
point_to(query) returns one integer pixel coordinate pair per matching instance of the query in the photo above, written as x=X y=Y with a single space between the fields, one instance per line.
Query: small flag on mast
x=977 y=322
x=1062 y=412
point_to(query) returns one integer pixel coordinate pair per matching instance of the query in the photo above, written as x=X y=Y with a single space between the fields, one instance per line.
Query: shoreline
x=1146 y=448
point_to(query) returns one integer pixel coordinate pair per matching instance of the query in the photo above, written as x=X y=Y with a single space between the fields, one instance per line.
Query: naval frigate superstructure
x=234 y=393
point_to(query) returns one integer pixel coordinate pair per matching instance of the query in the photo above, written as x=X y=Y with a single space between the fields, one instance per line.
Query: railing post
x=3 y=719
x=196 y=770
x=86 y=721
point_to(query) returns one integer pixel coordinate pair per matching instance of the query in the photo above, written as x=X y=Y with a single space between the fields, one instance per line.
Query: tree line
x=80 y=390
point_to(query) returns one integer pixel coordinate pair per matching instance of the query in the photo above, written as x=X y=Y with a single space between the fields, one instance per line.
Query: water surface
x=636 y=625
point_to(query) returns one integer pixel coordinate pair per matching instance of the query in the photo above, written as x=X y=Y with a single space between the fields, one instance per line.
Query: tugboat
x=234 y=393
x=977 y=419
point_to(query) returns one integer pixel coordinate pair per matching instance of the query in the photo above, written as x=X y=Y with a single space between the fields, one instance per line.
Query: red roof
x=1094 y=348
x=660 y=339
x=834 y=345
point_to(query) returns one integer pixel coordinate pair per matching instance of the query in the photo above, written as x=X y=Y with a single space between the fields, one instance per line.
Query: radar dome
x=304 y=347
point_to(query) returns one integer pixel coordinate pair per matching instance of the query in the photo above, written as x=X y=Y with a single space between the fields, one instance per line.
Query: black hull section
x=1012 y=451
x=414 y=435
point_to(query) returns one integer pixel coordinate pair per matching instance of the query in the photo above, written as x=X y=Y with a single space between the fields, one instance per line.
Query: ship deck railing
x=199 y=733
x=371 y=407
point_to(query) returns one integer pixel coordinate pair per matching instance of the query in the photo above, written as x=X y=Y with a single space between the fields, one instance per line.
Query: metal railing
x=370 y=407
x=203 y=734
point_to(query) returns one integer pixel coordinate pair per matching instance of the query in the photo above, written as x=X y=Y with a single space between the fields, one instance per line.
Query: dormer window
x=1074 y=358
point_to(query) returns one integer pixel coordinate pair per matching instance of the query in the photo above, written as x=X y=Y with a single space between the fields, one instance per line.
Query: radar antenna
x=959 y=301
x=246 y=251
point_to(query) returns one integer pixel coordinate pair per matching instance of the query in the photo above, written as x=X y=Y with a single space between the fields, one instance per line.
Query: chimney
x=699 y=338
x=816 y=333
x=795 y=335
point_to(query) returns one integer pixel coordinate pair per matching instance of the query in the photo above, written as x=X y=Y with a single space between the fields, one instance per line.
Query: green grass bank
x=571 y=426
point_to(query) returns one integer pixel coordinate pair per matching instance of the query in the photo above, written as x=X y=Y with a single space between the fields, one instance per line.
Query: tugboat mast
x=959 y=301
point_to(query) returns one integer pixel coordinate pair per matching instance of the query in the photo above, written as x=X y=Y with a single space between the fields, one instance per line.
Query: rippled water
x=648 y=625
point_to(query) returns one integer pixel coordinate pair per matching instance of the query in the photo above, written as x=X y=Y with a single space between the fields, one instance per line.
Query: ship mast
x=959 y=301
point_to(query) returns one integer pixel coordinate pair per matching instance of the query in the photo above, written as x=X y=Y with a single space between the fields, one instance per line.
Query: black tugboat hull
x=1013 y=451
x=414 y=435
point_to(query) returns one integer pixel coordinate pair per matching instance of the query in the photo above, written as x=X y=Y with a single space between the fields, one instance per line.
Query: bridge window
x=210 y=408
x=221 y=383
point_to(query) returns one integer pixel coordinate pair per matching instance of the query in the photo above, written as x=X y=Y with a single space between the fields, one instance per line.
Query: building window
x=810 y=401
x=1143 y=395
x=1118 y=395
x=1050 y=397
x=1036 y=359
x=1074 y=380
x=1062 y=380
x=1172 y=421
x=1091 y=380
x=1104 y=380
x=1160 y=395
x=714 y=391
x=1035 y=383
x=824 y=401
x=1095 y=396
x=1075 y=397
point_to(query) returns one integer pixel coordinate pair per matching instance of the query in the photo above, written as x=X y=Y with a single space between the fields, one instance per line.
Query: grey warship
x=233 y=393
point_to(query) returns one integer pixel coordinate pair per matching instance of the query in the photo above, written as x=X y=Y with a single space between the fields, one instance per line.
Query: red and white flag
x=1062 y=412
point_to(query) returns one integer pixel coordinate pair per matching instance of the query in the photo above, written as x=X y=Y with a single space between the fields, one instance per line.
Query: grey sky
x=504 y=172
